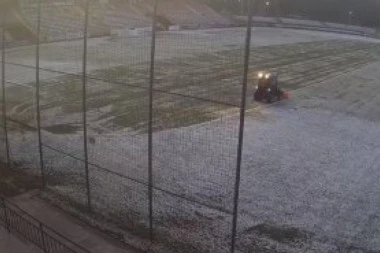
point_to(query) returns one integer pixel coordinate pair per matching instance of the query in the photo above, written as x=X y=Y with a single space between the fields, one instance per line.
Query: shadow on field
x=14 y=182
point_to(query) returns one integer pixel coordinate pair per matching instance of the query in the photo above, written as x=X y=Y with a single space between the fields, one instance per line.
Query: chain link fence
x=142 y=126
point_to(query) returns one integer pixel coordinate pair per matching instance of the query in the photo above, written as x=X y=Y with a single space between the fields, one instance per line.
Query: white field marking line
x=10 y=84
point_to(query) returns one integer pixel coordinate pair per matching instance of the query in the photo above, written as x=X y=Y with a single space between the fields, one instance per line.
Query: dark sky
x=359 y=12
x=364 y=12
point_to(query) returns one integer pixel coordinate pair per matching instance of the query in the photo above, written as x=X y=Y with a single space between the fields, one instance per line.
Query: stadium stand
x=307 y=24
x=17 y=30
x=60 y=20
x=64 y=19
x=122 y=14
x=186 y=12
x=97 y=20
x=136 y=13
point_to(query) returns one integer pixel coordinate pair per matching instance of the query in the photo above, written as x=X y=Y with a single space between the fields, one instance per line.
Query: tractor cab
x=267 y=88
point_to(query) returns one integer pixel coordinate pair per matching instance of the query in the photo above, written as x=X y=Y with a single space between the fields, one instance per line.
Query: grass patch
x=62 y=129
x=190 y=90
x=13 y=182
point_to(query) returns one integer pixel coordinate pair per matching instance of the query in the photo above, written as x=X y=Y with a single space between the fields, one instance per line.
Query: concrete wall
x=309 y=24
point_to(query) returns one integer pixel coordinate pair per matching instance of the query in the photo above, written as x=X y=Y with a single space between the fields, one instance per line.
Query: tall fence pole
x=3 y=25
x=7 y=222
x=150 y=135
x=84 y=82
x=241 y=126
x=43 y=179
x=41 y=227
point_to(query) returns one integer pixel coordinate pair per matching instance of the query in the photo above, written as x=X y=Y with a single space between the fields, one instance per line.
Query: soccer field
x=309 y=169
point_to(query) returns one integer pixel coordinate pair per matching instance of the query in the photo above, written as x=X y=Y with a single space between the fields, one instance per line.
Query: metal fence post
x=7 y=222
x=43 y=238
x=43 y=179
x=150 y=135
x=241 y=126
x=4 y=20
x=84 y=82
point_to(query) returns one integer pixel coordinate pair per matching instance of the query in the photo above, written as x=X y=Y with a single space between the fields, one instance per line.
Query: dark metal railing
x=17 y=220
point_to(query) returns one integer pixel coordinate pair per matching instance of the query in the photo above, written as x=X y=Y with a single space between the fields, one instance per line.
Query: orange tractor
x=267 y=89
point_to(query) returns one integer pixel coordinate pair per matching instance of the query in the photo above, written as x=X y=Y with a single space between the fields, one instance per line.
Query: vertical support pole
x=150 y=135
x=43 y=179
x=241 y=126
x=84 y=82
x=4 y=21
x=7 y=222
x=43 y=238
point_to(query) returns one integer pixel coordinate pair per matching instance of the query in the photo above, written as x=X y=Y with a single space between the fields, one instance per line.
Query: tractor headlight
x=256 y=87
x=267 y=76
x=260 y=75
x=269 y=89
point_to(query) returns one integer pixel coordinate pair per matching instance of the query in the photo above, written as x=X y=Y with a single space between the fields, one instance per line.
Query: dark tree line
x=358 y=12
